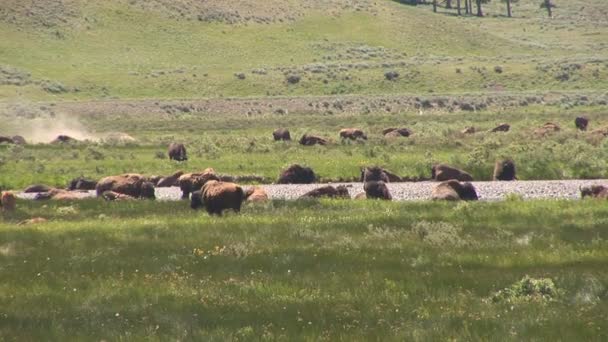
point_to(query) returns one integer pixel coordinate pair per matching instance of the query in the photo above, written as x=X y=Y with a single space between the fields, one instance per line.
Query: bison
x=281 y=134
x=190 y=182
x=37 y=188
x=396 y=132
x=310 y=140
x=468 y=130
x=59 y=195
x=296 y=174
x=169 y=181
x=442 y=172
x=256 y=194
x=19 y=140
x=8 y=201
x=128 y=184
x=177 y=152
x=377 y=190
x=352 y=134
x=61 y=139
x=595 y=191
x=503 y=127
x=328 y=191
x=7 y=140
x=376 y=173
x=547 y=128
x=115 y=196
x=217 y=196
x=454 y=190
x=581 y=123
x=504 y=170
x=81 y=183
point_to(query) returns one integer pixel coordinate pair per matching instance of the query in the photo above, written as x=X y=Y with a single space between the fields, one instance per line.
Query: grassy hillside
x=72 y=49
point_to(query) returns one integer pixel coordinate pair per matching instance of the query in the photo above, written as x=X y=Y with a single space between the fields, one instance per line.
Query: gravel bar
x=489 y=191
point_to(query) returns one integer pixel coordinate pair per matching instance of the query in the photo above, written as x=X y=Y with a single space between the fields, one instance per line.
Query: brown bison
x=59 y=195
x=375 y=173
x=504 y=170
x=377 y=190
x=595 y=191
x=454 y=190
x=61 y=139
x=190 y=182
x=503 y=127
x=8 y=201
x=442 y=172
x=128 y=184
x=169 y=181
x=352 y=134
x=81 y=183
x=6 y=140
x=37 y=188
x=601 y=131
x=177 y=152
x=310 y=140
x=281 y=134
x=256 y=194
x=547 y=128
x=580 y=122
x=328 y=191
x=19 y=140
x=296 y=174
x=468 y=130
x=361 y=196
x=396 y=132
x=217 y=196
x=115 y=196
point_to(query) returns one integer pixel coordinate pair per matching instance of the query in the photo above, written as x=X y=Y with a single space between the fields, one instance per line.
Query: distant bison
x=310 y=140
x=442 y=172
x=81 y=183
x=328 y=191
x=281 y=134
x=581 y=123
x=6 y=140
x=217 y=196
x=503 y=127
x=377 y=190
x=115 y=196
x=177 y=152
x=128 y=184
x=256 y=194
x=375 y=173
x=454 y=190
x=595 y=191
x=61 y=139
x=190 y=182
x=19 y=140
x=296 y=174
x=37 y=188
x=504 y=170
x=547 y=128
x=468 y=130
x=169 y=181
x=8 y=201
x=59 y=195
x=352 y=134
x=396 y=132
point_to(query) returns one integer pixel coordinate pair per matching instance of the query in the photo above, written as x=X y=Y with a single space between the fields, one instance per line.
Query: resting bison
x=595 y=191
x=217 y=196
x=8 y=201
x=503 y=127
x=190 y=182
x=63 y=139
x=37 y=188
x=115 y=196
x=310 y=140
x=468 y=130
x=352 y=134
x=601 y=131
x=547 y=128
x=177 y=152
x=169 y=181
x=376 y=173
x=396 y=132
x=580 y=122
x=7 y=140
x=442 y=172
x=19 y=140
x=328 y=191
x=59 y=195
x=454 y=190
x=281 y=134
x=256 y=194
x=81 y=184
x=296 y=174
x=377 y=190
x=129 y=184
x=504 y=170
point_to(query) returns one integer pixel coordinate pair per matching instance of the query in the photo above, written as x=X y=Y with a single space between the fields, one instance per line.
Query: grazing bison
x=580 y=122
x=595 y=191
x=503 y=127
x=7 y=140
x=468 y=130
x=396 y=132
x=352 y=134
x=169 y=181
x=442 y=172
x=128 y=184
x=376 y=173
x=8 y=201
x=504 y=170
x=281 y=134
x=190 y=182
x=217 y=196
x=19 y=140
x=81 y=183
x=256 y=194
x=328 y=191
x=37 y=188
x=377 y=190
x=454 y=190
x=310 y=140
x=296 y=174
x=60 y=139
x=177 y=152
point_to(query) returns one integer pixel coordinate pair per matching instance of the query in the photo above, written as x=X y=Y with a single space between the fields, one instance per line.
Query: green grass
x=329 y=270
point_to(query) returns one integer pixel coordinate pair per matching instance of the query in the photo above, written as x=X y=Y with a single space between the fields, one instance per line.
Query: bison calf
x=8 y=201
x=256 y=194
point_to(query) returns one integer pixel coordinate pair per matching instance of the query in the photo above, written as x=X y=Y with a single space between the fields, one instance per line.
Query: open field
x=329 y=270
